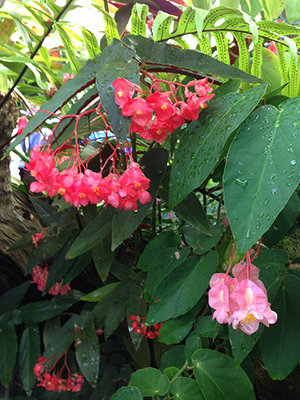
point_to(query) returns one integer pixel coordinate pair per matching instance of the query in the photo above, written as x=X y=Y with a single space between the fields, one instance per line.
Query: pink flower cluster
x=158 y=115
x=79 y=188
x=40 y=276
x=242 y=300
x=53 y=381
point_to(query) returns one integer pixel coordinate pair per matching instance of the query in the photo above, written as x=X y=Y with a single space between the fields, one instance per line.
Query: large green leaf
x=11 y=299
x=202 y=143
x=150 y=382
x=127 y=393
x=87 y=348
x=119 y=64
x=8 y=348
x=200 y=242
x=103 y=256
x=92 y=234
x=279 y=345
x=219 y=378
x=186 y=389
x=180 y=290
x=162 y=56
x=262 y=170
x=153 y=164
x=292 y=9
x=29 y=352
x=175 y=330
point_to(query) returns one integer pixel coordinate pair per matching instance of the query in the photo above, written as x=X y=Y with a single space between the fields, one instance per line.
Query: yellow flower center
x=249 y=318
x=159 y=132
x=120 y=94
x=61 y=190
x=163 y=107
x=139 y=112
x=82 y=195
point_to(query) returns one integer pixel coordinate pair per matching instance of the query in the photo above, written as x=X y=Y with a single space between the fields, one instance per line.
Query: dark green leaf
x=141 y=356
x=279 y=344
x=123 y=67
x=181 y=289
x=241 y=343
x=189 y=62
x=219 y=378
x=186 y=389
x=45 y=250
x=11 y=300
x=200 y=242
x=92 y=234
x=153 y=164
x=117 y=309
x=271 y=256
x=175 y=330
x=43 y=310
x=29 y=352
x=262 y=170
x=175 y=357
x=202 y=143
x=99 y=294
x=8 y=348
x=137 y=306
x=127 y=393
x=283 y=222
x=62 y=338
x=209 y=328
x=191 y=211
x=192 y=343
x=103 y=257
x=87 y=348
x=78 y=266
x=150 y=382
x=45 y=211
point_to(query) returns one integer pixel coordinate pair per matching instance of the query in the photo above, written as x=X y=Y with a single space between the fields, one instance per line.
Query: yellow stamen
x=159 y=132
x=163 y=107
x=137 y=185
x=139 y=112
x=249 y=318
x=82 y=195
x=120 y=94
x=61 y=190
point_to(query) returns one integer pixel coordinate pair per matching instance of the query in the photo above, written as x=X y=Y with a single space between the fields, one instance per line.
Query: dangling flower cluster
x=52 y=380
x=242 y=300
x=138 y=325
x=40 y=276
x=81 y=188
x=160 y=113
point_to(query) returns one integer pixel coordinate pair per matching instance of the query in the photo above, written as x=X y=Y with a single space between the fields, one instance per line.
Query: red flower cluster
x=51 y=380
x=79 y=188
x=138 y=325
x=242 y=300
x=40 y=276
x=157 y=115
x=37 y=237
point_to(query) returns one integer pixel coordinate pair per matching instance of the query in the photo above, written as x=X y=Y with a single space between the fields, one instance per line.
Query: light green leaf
x=219 y=378
x=186 y=389
x=292 y=9
x=127 y=393
x=75 y=64
x=262 y=170
x=150 y=382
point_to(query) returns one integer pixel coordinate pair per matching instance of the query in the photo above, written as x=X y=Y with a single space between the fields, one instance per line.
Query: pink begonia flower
x=239 y=271
x=23 y=122
x=139 y=109
x=124 y=91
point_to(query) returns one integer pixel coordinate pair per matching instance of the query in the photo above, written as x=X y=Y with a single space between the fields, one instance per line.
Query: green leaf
x=200 y=242
x=11 y=299
x=87 y=348
x=8 y=349
x=62 y=338
x=29 y=352
x=103 y=257
x=150 y=382
x=241 y=343
x=175 y=357
x=279 y=346
x=201 y=145
x=192 y=343
x=153 y=164
x=92 y=234
x=207 y=327
x=99 y=294
x=175 y=330
x=138 y=19
x=219 y=377
x=190 y=209
x=91 y=43
x=185 y=389
x=42 y=310
x=117 y=309
x=262 y=171
x=126 y=393
x=270 y=69
x=110 y=26
x=292 y=9
x=123 y=67
x=45 y=250
x=283 y=222
x=190 y=277
x=45 y=211
x=72 y=57
x=189 y=62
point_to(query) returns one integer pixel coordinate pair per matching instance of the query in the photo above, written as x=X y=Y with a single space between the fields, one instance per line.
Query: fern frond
x=138 y=19
x=257 y=58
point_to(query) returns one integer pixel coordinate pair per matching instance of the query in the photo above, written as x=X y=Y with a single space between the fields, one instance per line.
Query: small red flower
x=23 y=122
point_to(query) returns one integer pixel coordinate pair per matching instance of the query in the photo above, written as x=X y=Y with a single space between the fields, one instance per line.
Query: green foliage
x=137 y=322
